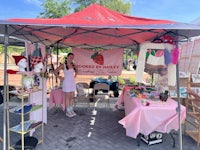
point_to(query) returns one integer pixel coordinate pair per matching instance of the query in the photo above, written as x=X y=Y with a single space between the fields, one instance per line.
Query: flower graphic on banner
x=98 y=58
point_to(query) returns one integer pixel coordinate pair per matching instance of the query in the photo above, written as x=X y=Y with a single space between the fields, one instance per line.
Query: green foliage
x=122 y=6
x=55 y=8
x=10 y=49
x=101 y=77
x=135 y=56
x=62 y=50
x=121 y=80
x=132 y=80
x=59 y=8
x=81 y=4
x=1 y=48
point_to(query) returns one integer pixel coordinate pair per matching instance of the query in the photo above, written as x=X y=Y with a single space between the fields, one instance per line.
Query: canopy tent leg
x=5 y=87
x=57 y=53
x=179 y=105
x=179 y=108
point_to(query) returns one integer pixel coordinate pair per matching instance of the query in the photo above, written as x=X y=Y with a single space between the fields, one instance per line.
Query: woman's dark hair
x=69 y=54
x=72 y=62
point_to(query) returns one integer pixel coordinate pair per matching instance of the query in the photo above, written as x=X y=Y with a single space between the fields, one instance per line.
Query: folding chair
x=82 y=94
x=102 y=90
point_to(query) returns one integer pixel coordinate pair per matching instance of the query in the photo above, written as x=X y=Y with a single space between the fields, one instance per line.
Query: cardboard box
x=152 y=138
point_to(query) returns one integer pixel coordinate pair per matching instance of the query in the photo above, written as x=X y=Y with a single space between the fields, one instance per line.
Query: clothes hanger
x=169 y=33
x=157 y=40
x=174 y=35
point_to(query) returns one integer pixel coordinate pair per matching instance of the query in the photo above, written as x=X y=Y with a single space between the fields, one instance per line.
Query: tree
x=59 y=8
x=81 y=4
x=122 y=6
x=55 y=8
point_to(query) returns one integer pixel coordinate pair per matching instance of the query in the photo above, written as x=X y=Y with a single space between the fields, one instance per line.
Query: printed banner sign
x=104 y=62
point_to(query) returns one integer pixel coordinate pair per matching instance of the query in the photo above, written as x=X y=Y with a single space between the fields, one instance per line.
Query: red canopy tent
x=94 y=26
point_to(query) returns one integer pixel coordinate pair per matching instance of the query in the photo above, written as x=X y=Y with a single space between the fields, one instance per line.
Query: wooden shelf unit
x=22 y=95
x=192 y=122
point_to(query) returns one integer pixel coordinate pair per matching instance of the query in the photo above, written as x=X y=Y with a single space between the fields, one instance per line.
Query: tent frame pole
x=179 y=102
x=5 y=88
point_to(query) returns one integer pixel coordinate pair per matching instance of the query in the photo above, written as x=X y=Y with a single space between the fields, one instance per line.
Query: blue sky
x=176 y=10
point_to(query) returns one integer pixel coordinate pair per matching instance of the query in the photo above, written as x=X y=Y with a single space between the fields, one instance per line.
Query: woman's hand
x=60 y=78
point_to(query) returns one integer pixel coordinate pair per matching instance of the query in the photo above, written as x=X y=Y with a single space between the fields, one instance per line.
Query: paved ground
x=94 y=129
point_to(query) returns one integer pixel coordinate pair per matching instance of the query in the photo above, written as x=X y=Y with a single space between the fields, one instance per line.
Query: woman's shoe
x=69 y=114
x=73 y=113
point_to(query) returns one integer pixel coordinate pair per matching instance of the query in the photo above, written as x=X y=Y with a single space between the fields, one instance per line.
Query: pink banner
x=104 y=62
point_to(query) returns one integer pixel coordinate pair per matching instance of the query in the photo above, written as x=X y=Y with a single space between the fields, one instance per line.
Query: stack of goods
x=144 y=92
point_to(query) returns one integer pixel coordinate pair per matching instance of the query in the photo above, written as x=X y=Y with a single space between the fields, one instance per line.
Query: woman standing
x=68 y=85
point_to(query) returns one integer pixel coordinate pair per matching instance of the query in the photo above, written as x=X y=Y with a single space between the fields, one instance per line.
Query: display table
x=158 y=116
x=57 y=98
x=121 y=97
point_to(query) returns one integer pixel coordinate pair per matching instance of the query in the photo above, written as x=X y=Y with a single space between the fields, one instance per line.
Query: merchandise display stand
x=27 y=124
x=184 y=84
x=192 y=123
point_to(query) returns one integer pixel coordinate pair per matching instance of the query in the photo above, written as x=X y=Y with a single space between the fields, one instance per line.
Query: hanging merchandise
x=151 y=69
x=148 y=53
x=169 y=70
x=175 y=55
x=167 y=56
x=154 y=52
x=167 y=39
x=37 y=51
x=156 y=61
x=36 y=56
x=159 y=53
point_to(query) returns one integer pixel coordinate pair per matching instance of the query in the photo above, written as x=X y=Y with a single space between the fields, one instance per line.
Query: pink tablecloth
x=120 y=100
x=57 y=97
x=159 y=116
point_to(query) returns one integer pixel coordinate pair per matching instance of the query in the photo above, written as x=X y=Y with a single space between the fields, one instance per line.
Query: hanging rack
x=171 y=33
x=174 y=34
x=157 y=40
